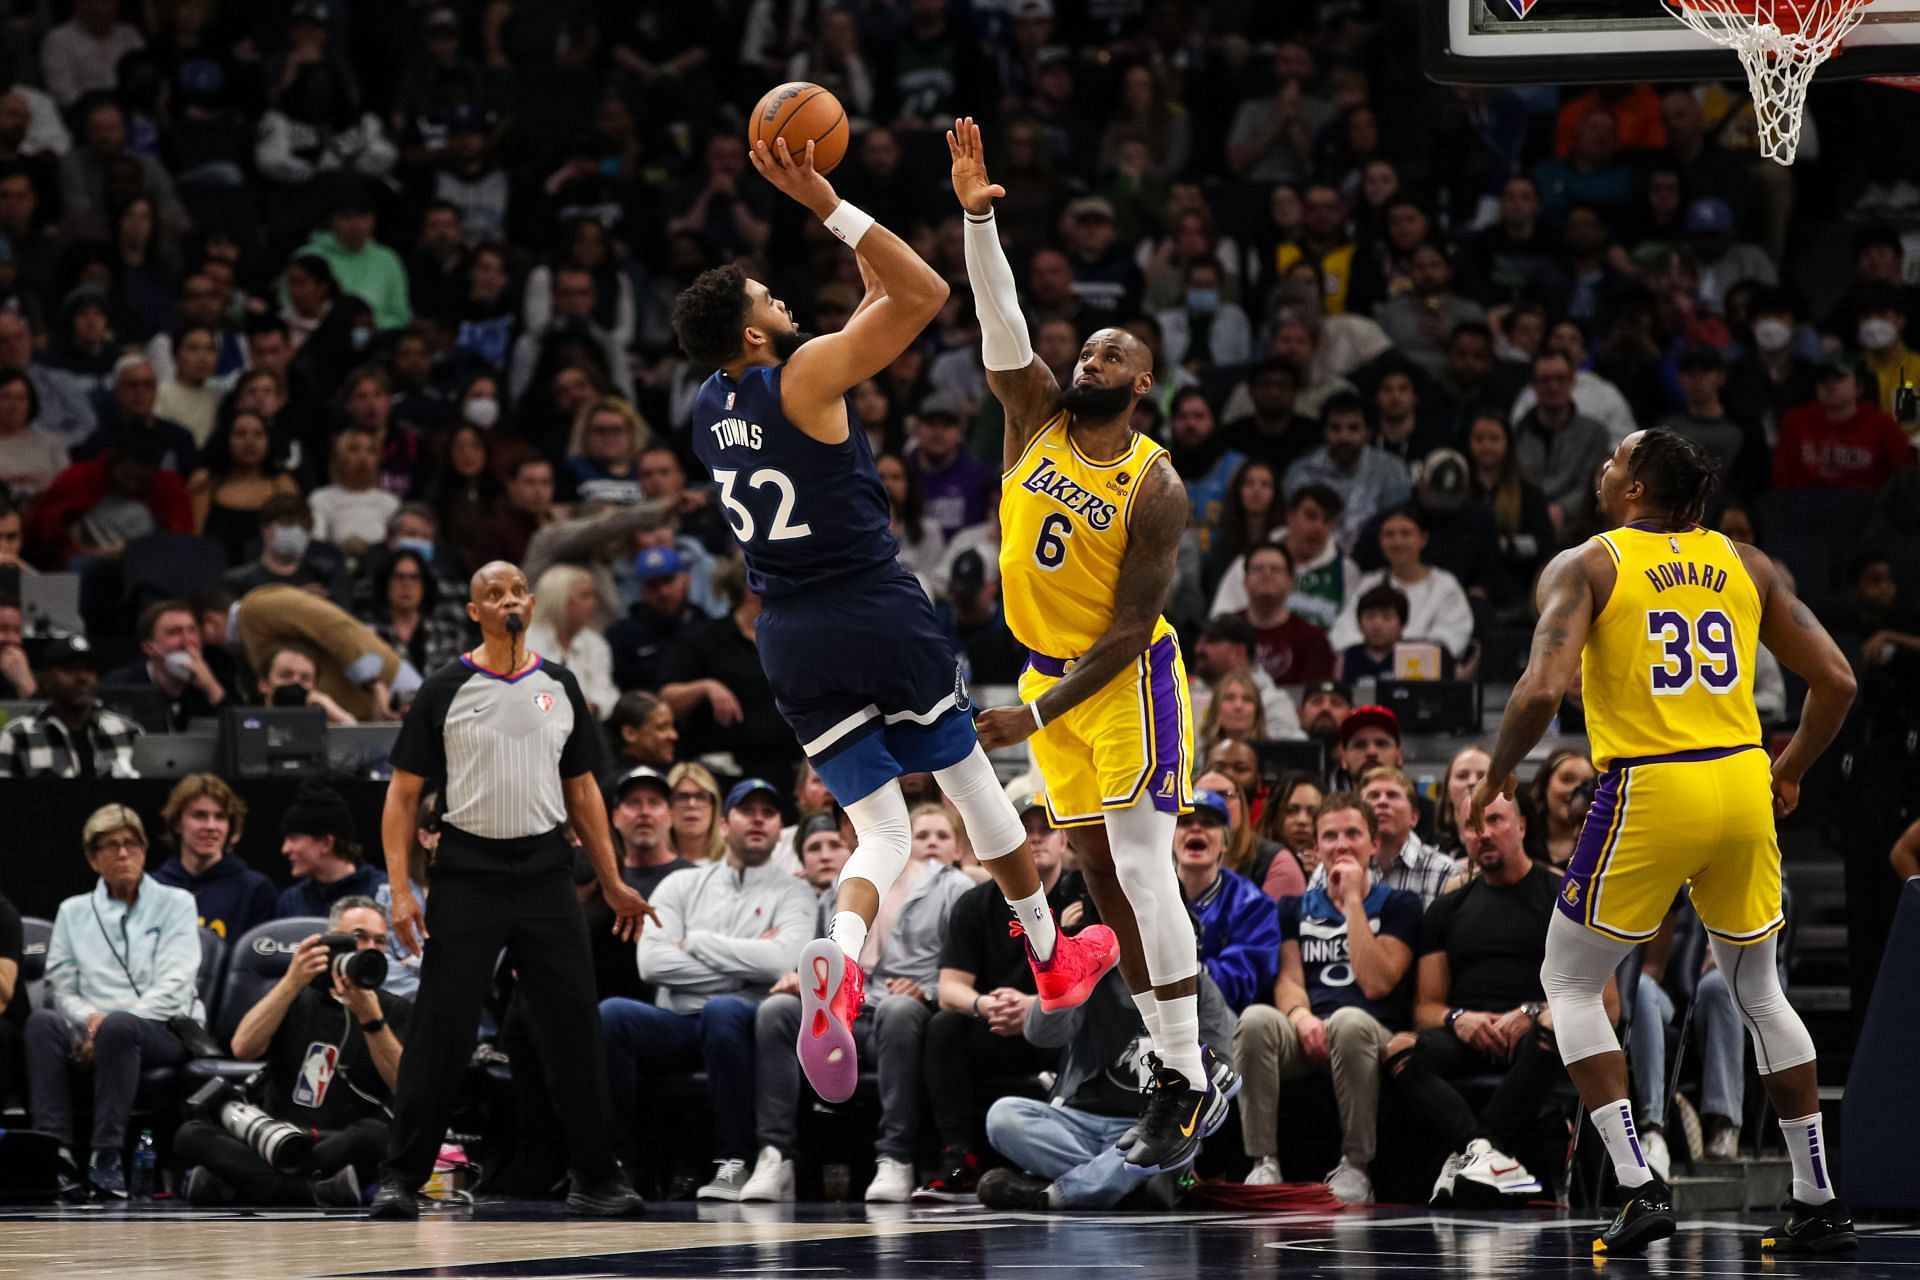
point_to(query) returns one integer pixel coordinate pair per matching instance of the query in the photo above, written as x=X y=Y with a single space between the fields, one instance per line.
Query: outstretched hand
x=795 y=175
x=971 y=185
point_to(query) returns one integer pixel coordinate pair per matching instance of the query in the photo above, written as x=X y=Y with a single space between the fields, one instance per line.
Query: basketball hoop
x=1781 y=44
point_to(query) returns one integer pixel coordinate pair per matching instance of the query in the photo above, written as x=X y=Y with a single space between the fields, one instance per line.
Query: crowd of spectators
x=310 y=307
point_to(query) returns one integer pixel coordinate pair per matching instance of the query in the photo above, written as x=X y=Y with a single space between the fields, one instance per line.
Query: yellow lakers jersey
x=1668 y=665
x=1063 y=535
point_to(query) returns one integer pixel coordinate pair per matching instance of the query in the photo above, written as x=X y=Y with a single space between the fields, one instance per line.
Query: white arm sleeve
x=996 y=300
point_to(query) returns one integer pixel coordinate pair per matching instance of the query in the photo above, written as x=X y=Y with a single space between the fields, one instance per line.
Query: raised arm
x=912 y=293
x=1025 y=387
x=1793 y=635
x=1566 y=612
x=1146 y=573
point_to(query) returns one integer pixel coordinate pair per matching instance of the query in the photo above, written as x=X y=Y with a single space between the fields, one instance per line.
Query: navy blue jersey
x=805 y=513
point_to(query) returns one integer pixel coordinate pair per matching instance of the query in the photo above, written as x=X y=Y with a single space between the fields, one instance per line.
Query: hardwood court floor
x=851 y=1242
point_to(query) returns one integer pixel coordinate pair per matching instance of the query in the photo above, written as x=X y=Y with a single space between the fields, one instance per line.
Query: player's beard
x=785 y=344
x=1096 y=404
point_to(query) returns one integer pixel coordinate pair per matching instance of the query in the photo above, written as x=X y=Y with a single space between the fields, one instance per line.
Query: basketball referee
x=513 y=741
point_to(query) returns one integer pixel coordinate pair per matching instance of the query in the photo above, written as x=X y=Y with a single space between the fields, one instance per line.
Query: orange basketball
x=802 y=113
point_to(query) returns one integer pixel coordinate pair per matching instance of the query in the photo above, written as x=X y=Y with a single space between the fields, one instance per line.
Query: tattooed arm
x=1793 y=635
x=1566 y=611
x=1159 y=517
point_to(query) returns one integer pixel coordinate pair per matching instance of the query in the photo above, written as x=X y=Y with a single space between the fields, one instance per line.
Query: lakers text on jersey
x=1685 y=798
x=1063 y=542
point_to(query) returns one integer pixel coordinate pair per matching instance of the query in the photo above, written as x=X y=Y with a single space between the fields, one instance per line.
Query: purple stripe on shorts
x=1591 y=847
x=1166 y=760
x=1683 y=757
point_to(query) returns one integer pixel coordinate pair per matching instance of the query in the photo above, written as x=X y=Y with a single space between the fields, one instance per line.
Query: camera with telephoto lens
x=365 y=969
x=288 y=1148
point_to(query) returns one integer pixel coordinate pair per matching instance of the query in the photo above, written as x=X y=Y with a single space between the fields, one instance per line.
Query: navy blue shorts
x=868 y=680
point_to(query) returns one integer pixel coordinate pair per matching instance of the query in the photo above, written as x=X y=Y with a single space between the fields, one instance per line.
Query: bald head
x=498 y=591
x=1139 y=358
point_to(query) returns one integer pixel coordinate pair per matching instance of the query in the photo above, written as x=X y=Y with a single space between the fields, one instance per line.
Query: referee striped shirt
x=503 y=744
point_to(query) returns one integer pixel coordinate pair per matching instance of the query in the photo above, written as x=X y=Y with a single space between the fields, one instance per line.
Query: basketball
x=801 y=113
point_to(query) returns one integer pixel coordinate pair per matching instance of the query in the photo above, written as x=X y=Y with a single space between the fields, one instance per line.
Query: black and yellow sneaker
x=1813 y=1228
x=1169 y=1133
x=1645 y=1217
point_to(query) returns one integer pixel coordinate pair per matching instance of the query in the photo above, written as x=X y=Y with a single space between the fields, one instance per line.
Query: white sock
x=1180 y=1020
x=1615 y=1123
x=1149 y=1006
x=850 y=931
x=1036 y=917
x=1807 y=1147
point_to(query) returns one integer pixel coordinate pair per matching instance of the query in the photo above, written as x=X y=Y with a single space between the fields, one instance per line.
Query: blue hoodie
x=1239 y=939
x=230 y=896
x=308 y=897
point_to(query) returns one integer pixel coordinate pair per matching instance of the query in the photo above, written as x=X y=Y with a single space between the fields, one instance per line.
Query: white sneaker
x=892 y=1182
x=1653 y=1148
x=1724 y=1144
x=1266 y=1173
x=729 y=1177
x=772 y=1179
x=1349 y=1184
x=1493 y=1171
x=1443 y=1185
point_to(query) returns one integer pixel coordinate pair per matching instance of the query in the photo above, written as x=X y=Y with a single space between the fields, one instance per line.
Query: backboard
x=1594 y=41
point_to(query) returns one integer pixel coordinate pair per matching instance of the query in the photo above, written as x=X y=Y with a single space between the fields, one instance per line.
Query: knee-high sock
x=995 y=831
x=1141 y=838
x=1574 y=976
x=885 y=838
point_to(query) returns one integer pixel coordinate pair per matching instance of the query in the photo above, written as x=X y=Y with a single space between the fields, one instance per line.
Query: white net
x=1781 y=44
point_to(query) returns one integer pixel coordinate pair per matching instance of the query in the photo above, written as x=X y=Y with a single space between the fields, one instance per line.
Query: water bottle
x=145 y=1161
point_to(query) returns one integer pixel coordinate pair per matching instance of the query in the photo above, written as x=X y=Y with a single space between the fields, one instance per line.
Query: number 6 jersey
x=1063 y=538
x=1668 y=664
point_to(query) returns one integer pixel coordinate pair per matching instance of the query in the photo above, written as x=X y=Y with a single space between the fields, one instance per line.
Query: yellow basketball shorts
x=1132 y=739
x=1699 y=819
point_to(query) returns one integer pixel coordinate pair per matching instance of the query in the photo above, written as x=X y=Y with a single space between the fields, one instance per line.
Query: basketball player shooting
x=1091 y=515
x=858 y=664
x=1659 y=619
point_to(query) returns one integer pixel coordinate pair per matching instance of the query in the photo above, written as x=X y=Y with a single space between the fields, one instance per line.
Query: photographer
x=332 y=1051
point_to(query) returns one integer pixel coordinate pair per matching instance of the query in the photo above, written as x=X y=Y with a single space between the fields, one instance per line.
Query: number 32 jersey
x=806 y=514
x=1668 y=664
x=1063 y=538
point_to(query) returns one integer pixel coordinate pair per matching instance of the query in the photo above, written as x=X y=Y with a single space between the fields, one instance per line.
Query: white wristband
x=1034 y=707
x=849 y=222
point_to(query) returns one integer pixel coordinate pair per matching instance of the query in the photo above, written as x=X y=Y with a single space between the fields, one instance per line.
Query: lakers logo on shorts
x=1571 y=893
x=1167 y=781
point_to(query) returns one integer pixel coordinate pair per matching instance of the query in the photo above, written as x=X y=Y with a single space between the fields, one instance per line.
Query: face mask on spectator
x=419 y=546
x=483 y=412
x=289 y=541
x=1203 y=300
x=1772 y=335
x=1877 y=334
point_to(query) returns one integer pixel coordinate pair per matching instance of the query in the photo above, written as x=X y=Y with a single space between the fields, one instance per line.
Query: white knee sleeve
x=1780 y=1039
x=1141 y=838
x=880 y=821
x=992 y=826
x=1574 y=976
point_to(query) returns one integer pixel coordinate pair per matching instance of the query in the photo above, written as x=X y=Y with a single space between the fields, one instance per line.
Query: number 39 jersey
x=1063 y=537
x=1668 y=665
x=805 y=513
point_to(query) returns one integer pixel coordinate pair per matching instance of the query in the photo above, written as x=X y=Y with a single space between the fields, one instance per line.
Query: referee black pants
x=471 y=915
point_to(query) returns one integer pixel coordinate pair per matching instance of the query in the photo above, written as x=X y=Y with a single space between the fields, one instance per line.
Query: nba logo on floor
x=316 y=1074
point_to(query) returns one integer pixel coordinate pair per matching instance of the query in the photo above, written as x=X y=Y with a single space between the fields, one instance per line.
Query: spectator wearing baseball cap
x=317 y=836
x=1226 y=647
x=957 y=488
x=728 y=931
x=1724 y=260
x=640 y=812
x=1370 y=739
x=642 y=638
x=976 y=623
x=1239 y=932
x=73 y=736
x=1323 y=707
x=986 y=988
